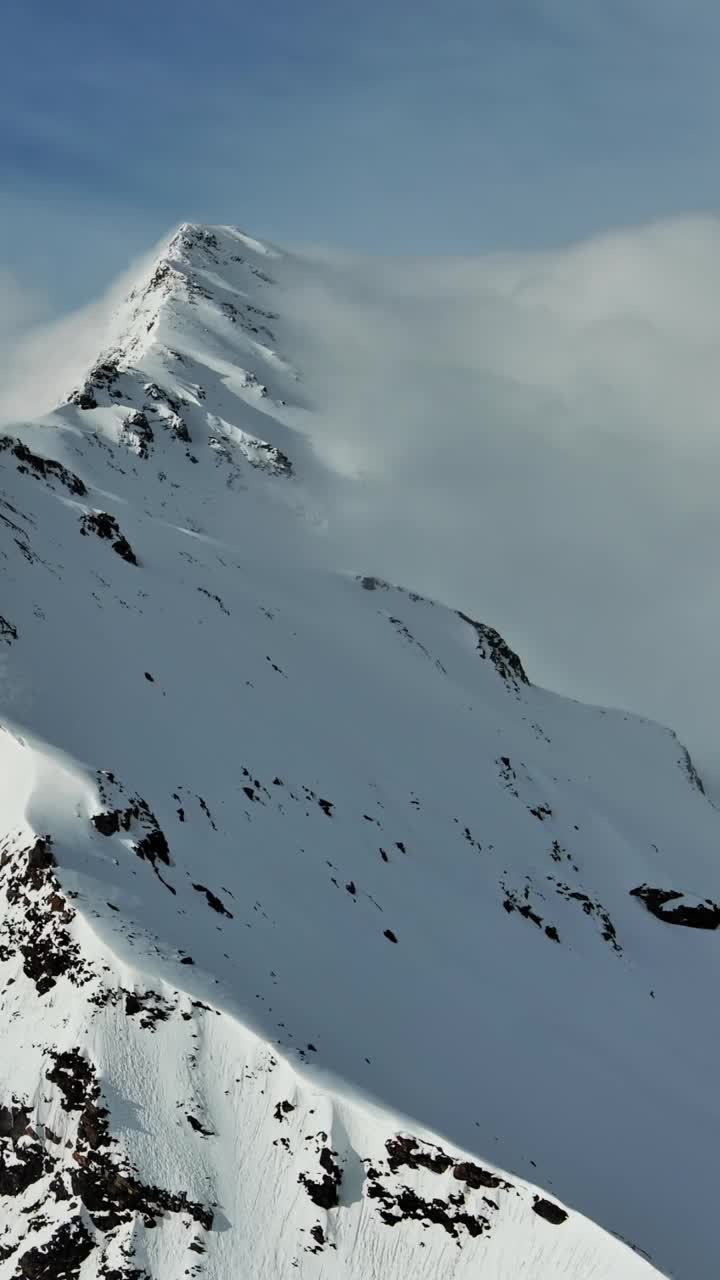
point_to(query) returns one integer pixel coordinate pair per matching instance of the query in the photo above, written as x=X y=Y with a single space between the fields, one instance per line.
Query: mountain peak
x=202 y=314
x=330 y=946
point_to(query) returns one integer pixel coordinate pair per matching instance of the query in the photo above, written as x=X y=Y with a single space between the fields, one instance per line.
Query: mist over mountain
x=331 y=944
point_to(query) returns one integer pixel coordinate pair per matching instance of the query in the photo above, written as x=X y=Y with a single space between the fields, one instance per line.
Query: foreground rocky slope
x=329 y=945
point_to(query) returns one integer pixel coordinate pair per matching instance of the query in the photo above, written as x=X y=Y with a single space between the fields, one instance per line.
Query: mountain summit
x=330 y=946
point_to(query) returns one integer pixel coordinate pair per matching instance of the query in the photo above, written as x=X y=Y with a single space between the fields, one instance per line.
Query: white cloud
x=42 y=358
x=20 y=307
x=534 y=437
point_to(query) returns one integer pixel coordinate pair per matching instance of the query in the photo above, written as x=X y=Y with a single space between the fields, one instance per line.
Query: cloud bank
x=42 y=356
x=534 y=438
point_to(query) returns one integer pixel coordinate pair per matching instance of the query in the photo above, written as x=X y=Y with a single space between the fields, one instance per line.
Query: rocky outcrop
x=84 y=1181
x=42 y=468
x=697 y=915
x=38 y=915
x=106 y=526
x=491 y=645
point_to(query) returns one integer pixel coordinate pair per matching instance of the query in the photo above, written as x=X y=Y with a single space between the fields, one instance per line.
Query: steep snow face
x=329 y=945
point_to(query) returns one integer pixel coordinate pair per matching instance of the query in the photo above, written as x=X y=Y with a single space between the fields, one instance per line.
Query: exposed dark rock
x=61 y=1258
x=167 y=408
x=74 y=1077
x=58 y=1188
x=406 y=1205
x=409 y=1205
x=412 y=1154
x=475 y=1176
x=37 y=929
x=590 y=908
x=323 y=1191
x=83 y=397
x=692 y=773
x=513 y=902
x=490 y=644
x=110 y=1191
x=43 y=468
x=23 y=1160
x=154 y=847
x=190 y=239
x=213 y=901
x=199 y=1127
x=703 y=915
x=108 y=824
x=14 y=1121
x=160 y=396
x=106 y=526
x=151 y=1007
x=388 y=933
x=270 y=459
x=104 y=373
x=282 y=1110
x=212 y=595
x=93 y=1126
x=508 y=775
x=8 y=632
x=549 y=1211
x=40 y=859
x=137 y=434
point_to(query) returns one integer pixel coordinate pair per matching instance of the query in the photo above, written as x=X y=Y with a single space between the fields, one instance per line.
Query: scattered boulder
x=213 y=901
x=549 y=1211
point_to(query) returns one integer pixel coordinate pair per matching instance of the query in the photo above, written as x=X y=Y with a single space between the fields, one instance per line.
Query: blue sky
x=391 y=125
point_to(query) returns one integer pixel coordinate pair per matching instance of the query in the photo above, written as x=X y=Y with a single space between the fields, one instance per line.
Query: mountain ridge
x=309 y=895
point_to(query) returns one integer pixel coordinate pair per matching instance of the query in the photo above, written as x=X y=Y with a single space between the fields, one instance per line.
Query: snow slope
x=319 y=951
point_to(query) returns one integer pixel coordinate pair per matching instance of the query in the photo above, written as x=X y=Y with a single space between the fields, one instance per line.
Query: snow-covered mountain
x=329 y=945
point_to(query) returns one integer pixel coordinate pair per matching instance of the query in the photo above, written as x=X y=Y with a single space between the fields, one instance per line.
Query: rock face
x=319 y=953
x=672 y=906
x=106 y=526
